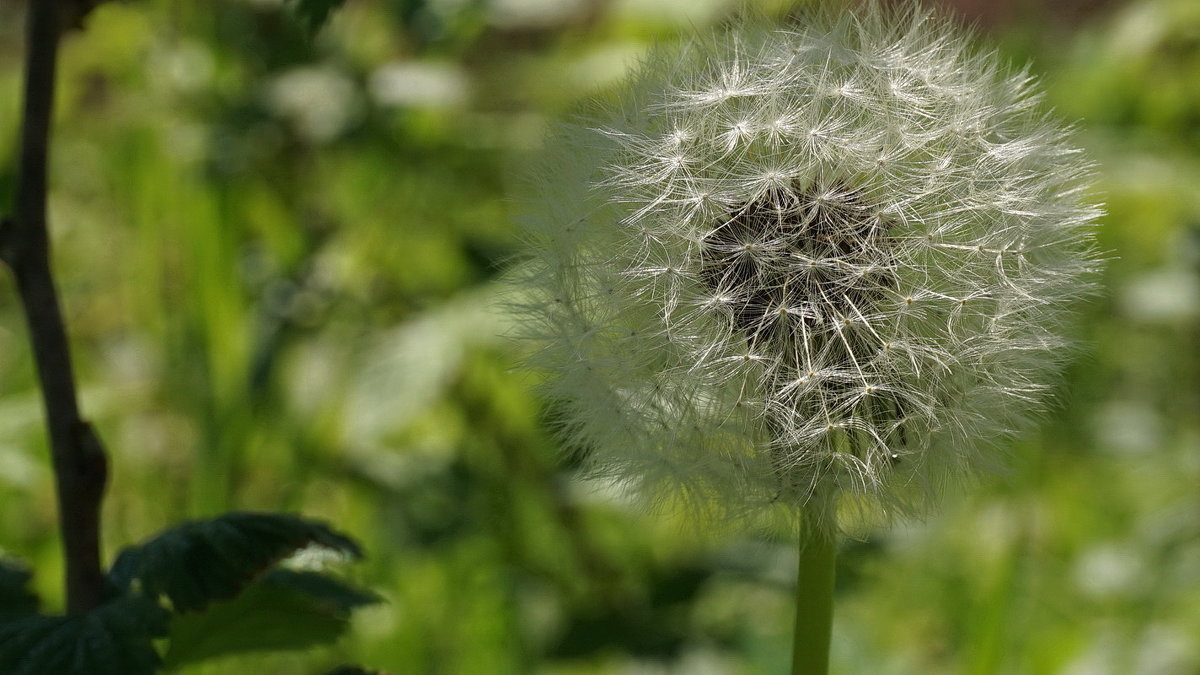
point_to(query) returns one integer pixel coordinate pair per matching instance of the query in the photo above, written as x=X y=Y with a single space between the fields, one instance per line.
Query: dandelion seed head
x=831 y=259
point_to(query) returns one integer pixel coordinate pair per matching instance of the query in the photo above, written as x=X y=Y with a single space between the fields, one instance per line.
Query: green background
x=281 y=259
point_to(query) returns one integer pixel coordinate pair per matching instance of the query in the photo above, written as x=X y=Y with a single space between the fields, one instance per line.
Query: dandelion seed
x=837 y=260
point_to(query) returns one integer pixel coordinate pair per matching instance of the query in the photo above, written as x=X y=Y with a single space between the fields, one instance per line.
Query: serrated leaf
x=314 y=13
x=333 y=594
x=117 y=637
x=284 y=609
x=16 y=600
x=197 y=563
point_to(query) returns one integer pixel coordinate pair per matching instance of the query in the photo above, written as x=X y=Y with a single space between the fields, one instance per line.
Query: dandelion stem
x=814 y=601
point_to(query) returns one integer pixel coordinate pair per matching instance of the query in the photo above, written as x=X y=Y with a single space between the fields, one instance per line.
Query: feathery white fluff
x=828 y=259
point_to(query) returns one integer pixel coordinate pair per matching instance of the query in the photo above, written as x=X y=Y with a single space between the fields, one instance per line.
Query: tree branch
x=80 y=465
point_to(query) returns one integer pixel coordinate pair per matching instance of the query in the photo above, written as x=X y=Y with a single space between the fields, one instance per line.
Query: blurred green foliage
x=280 y=255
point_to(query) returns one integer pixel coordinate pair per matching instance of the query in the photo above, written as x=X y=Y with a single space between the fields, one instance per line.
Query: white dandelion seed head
x=831 y=259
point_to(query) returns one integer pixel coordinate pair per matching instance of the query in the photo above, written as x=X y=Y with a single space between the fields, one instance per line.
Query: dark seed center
x=802 y=273
x=798 y=261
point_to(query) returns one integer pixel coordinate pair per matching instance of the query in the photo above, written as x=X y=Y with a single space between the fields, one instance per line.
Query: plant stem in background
x=80 y=465
x=814 y=602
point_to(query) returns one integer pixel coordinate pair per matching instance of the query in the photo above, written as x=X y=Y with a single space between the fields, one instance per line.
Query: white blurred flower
x=422 y=85
x=1110 y=570
x=321 y=102
x=1165 y=295
x=830 y=259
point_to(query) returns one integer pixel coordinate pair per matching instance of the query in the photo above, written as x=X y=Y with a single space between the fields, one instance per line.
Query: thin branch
x=80 y=465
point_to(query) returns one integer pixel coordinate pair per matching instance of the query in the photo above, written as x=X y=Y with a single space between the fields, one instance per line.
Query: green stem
x=814 y=602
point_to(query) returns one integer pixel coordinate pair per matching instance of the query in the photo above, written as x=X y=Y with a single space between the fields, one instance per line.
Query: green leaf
x=284 y=609
x=197 y=563
x=314 y=13
x=16 y=600
x=117 y=637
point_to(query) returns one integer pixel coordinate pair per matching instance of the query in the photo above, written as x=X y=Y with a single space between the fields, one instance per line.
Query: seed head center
x=817 y=253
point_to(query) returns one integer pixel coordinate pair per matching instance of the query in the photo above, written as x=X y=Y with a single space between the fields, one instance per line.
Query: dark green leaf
x=114 y=638
x=314 y=13
x=201 y=562
x=284 y=609
x=16 y=600
x=335 y=595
